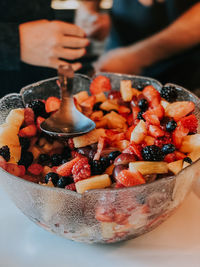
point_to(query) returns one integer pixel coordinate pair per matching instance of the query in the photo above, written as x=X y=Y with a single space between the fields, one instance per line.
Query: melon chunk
x=190 y=143
x=175 y=166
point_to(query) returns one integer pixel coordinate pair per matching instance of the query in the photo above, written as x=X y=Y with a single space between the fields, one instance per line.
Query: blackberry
x=152 y=153
x=24 y=142
x=44 y=159
x=38 y=107
x=5 y=152
x=66 y=153
x=105 y=161
x=53 y=177
x=26 y=159
x=188 y=160
x=168 y=148
x=64 y=180
x=56 y=159
x=143 y=104
x=139 y=116
x=97 y=167
x=97 y=106
x=113 y=155
x=169 y=93
x=171 y=126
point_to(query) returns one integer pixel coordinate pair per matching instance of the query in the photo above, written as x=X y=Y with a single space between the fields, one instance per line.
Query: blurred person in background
x=33 y=45
x=156 y=38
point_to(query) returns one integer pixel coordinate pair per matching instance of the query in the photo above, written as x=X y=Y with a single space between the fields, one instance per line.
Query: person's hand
x=96 y=25
x=120 y=60
x=45 y=43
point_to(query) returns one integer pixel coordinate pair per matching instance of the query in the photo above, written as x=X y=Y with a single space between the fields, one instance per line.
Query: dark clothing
x=132 y=22
x=13 y=73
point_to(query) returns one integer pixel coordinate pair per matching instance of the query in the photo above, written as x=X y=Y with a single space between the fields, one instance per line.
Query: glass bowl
x=97 y=216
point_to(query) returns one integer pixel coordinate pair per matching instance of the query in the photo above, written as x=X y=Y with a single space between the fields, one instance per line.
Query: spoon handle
x=66 y=77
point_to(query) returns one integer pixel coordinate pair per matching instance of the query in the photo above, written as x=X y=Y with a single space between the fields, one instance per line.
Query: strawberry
x=135 y=111
x=170 y=157
x=100 y=84
x=101 y=145
x=81 y=170
x=3 y=163
x=163 y=140
x=129 y=131
x=190 y=122
x=180 y=109
x=134 y=149
x=159 y=111
x=130 y=119
x=28 y=131
x=151 y=95
x=29 y=116
x=155 y=131
x=151 y=118
x=66 y=168
x=35 y=169
x=39 y=120
x=13 y=169
x=128 y=178
x=52 y=104
x=179 y=155
x=71 y=187
x=178 y=134
x=30 y=178
x=119 y=185
x=22 y=170
x=123 y=109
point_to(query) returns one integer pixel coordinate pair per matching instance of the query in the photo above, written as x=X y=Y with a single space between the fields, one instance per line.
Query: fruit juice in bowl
x=115 y=183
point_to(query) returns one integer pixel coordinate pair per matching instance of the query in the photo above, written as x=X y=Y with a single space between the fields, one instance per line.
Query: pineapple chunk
x=102 y=123
x=149 y=167
x=36 y=151
x=89 y=138
x=100 y=97
x=95 y=182
x=164 y=104
x=115 y=120
x=15 y=154
x=109 y=105
x=190 y=143
x=185 y=164
x=149 y=140
x=175 y=166
x=139 y=132
x=97 y=115
x=81 y=96
x=194 y=155
x=126 y=90
x=8 y=135
x=15 y=118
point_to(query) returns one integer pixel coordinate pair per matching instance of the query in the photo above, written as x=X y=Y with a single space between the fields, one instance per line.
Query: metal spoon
x=67 y=121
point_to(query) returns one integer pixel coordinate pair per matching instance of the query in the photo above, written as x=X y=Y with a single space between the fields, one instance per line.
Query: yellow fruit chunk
x=194 y=155
x=36 y=151
x=109 y=105
x=115 y=121
x=8 y=135
x=89 y=138
x=175 y=166
x=95 y=182
x=100 y=97
x=164 y=104
x=149 y=140
x=126 y=90
x=97 y=115
x=190 y=143
x=15 y=154
x=15 y=118
x=149 y=167
x=139 y=132
x=81 y=96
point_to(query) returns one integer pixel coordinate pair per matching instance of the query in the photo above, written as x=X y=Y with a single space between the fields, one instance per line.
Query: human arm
x=182 y=34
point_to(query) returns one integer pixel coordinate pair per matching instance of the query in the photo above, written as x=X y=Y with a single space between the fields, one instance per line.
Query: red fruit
x=190 y=122
x=66 y=168
x=128 y=178
x=159 y=111
x=178 y=134
x=170 y=158
x=179 y=155
x=178 y=110
x=13 y=169
x=151 y=118
x=166 y=139
x=100 y=84
x=123 y=109
x=71 y=143
x=128 y=132
x=134 y=149
x=71 y=187
x=3 y=163
x=39 y=121
x=130 y=119
x=54 y=168
x=119 y=185
x=114 y=95
x=35 y=169
x=22 y=170
x=81 y=170
x=52 y=104
x=28 y=131
x=29 y=117
x=135 y=111
x=151 y=95
x=30 y=178
x=155 y=131
x=101 y=145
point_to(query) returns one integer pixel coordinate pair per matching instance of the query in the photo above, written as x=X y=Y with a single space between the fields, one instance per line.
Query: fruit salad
x=141 y=135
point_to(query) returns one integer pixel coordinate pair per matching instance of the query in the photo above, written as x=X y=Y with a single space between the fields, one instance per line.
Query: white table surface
x=174 y=243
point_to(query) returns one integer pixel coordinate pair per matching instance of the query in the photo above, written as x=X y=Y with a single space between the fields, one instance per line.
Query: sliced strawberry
x=71 y=187
x=28 y=131
x=3 y=163
x=156 y=131
x=178 y=135
x=29 y=117
x=159 y=111
x=13 y=169
x=130 y=119
x=101 y=145
x=100 y=84
x=180 y=109
x=119 y=185
x=134 y=149
x=179 y=155
x=170 y=157
x=22 y=170
x=129 y=131
x=166 y=139
x=135 y=111
x=151 y=118
x=123 y=109
x=39 y=120
x=128 y=178
x=35 y=169
x=52 y=104
x=190 y=122
x=66 y=168
x=151 y=95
